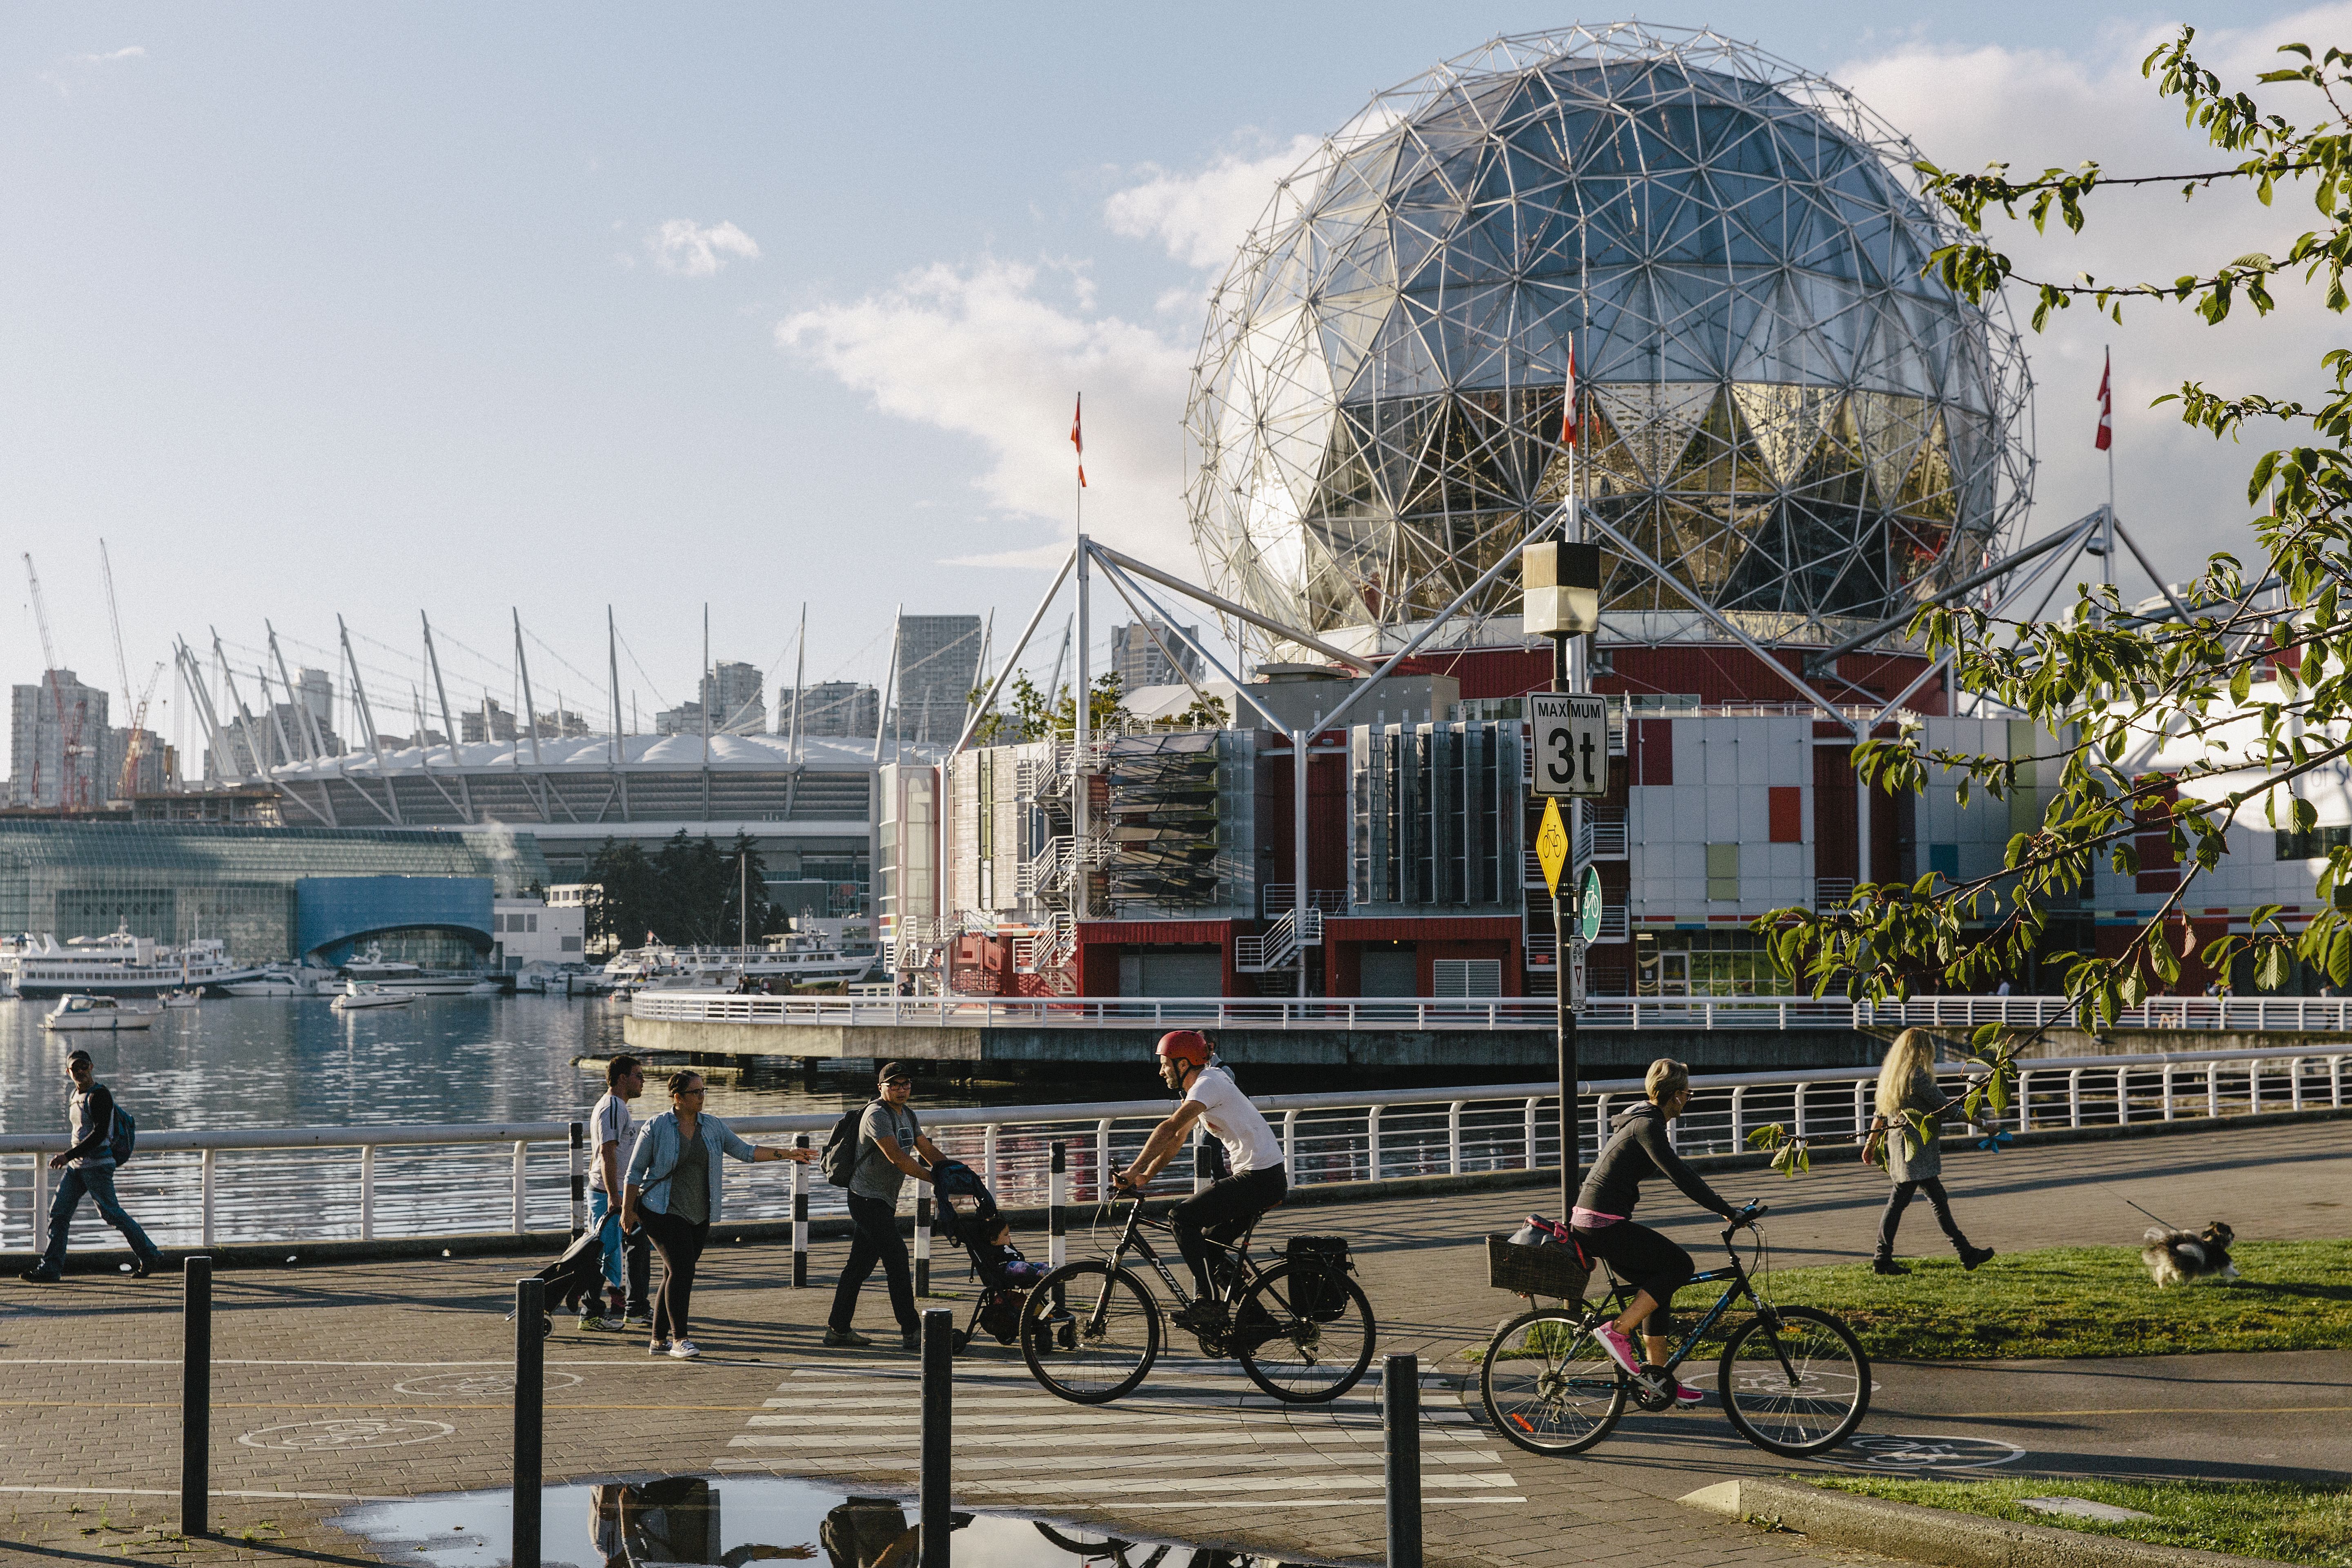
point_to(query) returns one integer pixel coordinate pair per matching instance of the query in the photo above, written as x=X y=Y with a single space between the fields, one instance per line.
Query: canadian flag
x=1077 y=438
x=1567 y=406
x=2107 y=406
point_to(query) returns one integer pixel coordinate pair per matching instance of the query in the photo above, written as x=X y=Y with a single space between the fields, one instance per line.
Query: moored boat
x=74 y=1012
x=119 y=965
x=359 y=995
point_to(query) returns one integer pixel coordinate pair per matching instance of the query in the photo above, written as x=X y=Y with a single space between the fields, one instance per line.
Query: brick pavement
x=90 y=1372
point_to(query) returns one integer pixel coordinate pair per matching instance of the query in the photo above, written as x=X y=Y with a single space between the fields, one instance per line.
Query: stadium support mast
x=529 y=709
x=358 y=691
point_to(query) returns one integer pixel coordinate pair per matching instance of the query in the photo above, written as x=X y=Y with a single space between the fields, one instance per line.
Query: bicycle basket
x=1552 y=1270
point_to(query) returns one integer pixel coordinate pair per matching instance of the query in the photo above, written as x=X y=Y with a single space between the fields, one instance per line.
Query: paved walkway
x=386 y=1380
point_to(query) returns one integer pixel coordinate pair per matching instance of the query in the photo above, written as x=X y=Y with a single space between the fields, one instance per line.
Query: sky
x=534 y=311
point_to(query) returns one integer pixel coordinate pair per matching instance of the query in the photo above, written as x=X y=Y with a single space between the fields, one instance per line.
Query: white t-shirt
x=1233 y=1121
x=609 y=1123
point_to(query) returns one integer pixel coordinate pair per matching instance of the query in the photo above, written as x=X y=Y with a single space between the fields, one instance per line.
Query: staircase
x=1279 y=947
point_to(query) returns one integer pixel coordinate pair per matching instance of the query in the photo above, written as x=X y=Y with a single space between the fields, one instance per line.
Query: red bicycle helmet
x=1185 y=1046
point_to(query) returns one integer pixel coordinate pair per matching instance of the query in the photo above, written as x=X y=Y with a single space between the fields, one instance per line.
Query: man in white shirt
x=1256 y=1178
x=628 y=1259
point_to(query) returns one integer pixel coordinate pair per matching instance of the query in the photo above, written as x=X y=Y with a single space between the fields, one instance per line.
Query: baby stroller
x=579 y=1273
x=967 y=1215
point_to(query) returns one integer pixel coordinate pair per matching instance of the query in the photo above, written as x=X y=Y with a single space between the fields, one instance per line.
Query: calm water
x=293 y=1061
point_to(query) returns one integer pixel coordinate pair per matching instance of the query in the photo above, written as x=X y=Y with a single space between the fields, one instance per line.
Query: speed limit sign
x=1570 y=735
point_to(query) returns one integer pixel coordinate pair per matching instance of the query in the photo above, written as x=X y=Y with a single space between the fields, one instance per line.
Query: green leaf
x=2274 y=964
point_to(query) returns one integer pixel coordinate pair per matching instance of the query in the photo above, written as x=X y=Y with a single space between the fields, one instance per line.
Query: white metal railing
x=295 y=1186
x=2289 y=1015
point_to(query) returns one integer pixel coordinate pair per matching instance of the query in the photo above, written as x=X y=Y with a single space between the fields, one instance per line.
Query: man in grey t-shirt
x=890 y=1139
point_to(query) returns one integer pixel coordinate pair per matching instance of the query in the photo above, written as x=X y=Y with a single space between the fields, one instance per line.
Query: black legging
x=680 y=1245
x=1645 y=1260
x=1900 y=1199
x=1220 y=1215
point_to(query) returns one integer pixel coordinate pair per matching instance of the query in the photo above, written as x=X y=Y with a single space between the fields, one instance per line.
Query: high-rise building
x=58 y=744
x=732 y=692
x=1139 y=661
x=939 y=664
x=488 y=723
x=316 y=689
x=830 y=708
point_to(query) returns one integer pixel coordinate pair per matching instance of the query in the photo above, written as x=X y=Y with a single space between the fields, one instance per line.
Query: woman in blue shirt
x=674 y=1191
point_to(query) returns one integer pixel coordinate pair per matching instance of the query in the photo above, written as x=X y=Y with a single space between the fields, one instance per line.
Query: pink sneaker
x=1685 y=1396
x=1620 y=1348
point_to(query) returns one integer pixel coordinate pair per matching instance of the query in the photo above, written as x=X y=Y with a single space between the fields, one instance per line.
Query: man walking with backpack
x=99 y=1146
x=873 y=1162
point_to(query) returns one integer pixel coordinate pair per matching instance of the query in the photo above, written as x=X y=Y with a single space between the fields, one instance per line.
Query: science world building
x=1779 y=407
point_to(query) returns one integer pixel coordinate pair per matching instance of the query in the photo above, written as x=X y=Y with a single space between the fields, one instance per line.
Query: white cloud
x=1204 y=217
x=2179 y=491
x=687 y=249
x=984 y=352
x=62 y=77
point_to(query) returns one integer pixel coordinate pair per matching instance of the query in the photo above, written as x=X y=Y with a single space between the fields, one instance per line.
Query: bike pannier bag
x=1319 y=1268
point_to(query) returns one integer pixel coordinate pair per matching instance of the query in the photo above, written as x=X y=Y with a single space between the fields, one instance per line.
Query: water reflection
x=681 y=1520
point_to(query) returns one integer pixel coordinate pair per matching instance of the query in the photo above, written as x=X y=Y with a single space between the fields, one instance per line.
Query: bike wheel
x=1099 y=1341
x=1291 y=1354
x=1793 y=1381
x=1547 y=1385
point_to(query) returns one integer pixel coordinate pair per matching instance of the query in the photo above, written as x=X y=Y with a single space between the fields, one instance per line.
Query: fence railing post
x=1401 y=1431
x=988 y=1156
x=205 y=1180
x=1373 y=1144
x=2168 y=1088
x=579 y=1179
x=1453 y=1138
x=2075 y=1098
x=1799 y=1111
x=1102 y=1156
x=196 y=1395
x=367 y=1189
x=2123 y=1097
x=2213 y=1089
x=1527 y=1133
x=1290 y=1141
x=800 y=1216
x=2024 y=1099
x=529 y=1392
x=522 y=1192
x=1057 y=1195
x=936 y=1522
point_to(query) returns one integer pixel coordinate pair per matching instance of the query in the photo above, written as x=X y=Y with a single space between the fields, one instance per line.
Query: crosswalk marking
x=1197 y=1428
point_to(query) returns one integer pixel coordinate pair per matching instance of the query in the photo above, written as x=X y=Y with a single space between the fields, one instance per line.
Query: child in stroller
x=967 y=1215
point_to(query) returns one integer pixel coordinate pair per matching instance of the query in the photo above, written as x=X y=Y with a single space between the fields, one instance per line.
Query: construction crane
x=68 y=730
x=137 y=749
x=135 y=707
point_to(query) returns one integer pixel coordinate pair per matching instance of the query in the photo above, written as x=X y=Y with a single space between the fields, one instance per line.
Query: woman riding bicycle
x=1637 y=1148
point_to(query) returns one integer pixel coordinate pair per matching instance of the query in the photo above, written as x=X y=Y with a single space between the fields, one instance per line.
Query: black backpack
x=122 y=1137
x=839 y=1159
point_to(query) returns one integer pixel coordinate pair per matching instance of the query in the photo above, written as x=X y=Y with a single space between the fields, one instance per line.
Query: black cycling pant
x=1220 y=1215
x=1645 y=1260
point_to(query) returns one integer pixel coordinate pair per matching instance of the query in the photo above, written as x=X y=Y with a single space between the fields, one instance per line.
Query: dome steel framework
x=1776 y=404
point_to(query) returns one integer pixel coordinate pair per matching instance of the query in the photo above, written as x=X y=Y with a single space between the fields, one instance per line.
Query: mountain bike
x=1091 y=1330
x=1794 y=1381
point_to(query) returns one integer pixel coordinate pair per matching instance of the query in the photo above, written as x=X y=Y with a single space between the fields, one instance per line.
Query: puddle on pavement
x=739 y=1519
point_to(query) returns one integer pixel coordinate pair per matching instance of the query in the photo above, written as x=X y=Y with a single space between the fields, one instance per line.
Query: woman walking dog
x=1914 y=1163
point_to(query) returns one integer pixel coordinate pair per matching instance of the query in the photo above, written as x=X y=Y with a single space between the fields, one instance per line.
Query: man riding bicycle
x=1256 y=1181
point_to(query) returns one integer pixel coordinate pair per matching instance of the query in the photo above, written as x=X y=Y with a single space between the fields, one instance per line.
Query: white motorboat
x=103 y=1012
x=370 y=967
x=286 y=979
x=120 y=964
x=358 y=995
x=798 y=958
x=180 y=999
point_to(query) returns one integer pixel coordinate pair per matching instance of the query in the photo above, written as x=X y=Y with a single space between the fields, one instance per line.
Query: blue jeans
x=97 y=1180
x=628 y=1267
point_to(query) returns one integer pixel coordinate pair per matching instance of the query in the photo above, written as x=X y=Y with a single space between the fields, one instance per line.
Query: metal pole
x=1401 y=1426
x=1298 y=741
x=938 y=1377
x=800 y=1217
x=922 y=1244
x=196 y=1395
x=529 y=1390
x=1081 y=729
x=1564 y=1028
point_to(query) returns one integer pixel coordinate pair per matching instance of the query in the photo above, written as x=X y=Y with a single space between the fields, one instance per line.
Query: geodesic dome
x=1776 y=404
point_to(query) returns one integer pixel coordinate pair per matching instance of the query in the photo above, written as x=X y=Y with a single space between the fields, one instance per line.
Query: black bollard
x=529 y=1392
x=195 y=1395
x=1058 y=1193
x=579 y=1180
x=800 y=1215
x=922 y=1244
x=939 y=1383
x=1401 y=1425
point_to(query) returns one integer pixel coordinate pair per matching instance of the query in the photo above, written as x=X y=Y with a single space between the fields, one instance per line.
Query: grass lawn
x=2284 y=1521
x=2085 y=1301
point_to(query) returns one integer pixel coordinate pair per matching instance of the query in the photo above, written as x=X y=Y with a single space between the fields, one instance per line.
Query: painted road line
x=1064 y=1487
x=824 y=1464
x=910 y=1436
